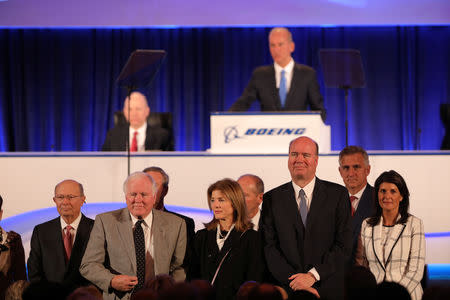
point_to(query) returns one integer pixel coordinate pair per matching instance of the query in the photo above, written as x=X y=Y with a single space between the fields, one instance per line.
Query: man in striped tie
x=142 y=136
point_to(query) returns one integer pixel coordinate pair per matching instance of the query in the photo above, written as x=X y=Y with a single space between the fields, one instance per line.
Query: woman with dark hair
x=228 y=251
x=392 y=242
x=12 y=258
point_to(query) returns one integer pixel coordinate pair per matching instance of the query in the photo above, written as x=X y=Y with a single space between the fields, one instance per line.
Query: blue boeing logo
x=231 y=133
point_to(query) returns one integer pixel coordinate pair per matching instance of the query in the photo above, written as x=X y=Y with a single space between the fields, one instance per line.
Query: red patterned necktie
x=68 y=242
x=352 y=199
x=134 y=142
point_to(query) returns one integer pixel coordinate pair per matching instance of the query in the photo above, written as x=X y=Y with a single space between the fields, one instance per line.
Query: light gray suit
x=111 y=251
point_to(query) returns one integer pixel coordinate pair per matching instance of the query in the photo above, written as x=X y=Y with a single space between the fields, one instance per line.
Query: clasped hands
x=124 y=283
x=303 y=281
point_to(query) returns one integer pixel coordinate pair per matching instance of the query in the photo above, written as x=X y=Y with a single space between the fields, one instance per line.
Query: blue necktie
x=283 y=89
x=303 y=207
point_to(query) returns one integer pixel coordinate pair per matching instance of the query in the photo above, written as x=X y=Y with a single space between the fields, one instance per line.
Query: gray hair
x=136 y=175
x=349 y=150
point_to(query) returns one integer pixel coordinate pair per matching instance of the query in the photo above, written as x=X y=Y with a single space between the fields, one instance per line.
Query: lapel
x=318 y=202
x=78 y=246
x=125 y=235
x=364 y=210
x=272 y=83
x=294 y=84
x=396 y=233
x=160 y=240
x=292 y=212
x=59 y=260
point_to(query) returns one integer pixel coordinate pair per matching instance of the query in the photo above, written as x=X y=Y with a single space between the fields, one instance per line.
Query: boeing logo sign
x=231 y=133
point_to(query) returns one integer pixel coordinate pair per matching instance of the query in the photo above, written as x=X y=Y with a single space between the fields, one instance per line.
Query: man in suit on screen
x=141 y=136
x=285 y=85
x=306 y=227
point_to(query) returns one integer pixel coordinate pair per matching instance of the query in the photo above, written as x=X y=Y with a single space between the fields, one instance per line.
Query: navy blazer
x=46 y=260
x=325 y=243
x=156 y=138
x=365 y=209
x=304 y=91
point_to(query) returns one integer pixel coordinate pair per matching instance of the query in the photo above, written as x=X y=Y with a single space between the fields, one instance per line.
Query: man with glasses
x=57 y=246
x=132 y=245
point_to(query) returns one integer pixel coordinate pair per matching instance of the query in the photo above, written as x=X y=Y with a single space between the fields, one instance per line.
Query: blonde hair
x=233 y=192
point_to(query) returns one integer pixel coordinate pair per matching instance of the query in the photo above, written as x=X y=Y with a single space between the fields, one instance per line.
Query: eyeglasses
x=68 y=197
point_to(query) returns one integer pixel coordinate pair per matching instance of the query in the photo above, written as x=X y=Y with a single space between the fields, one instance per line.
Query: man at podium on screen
x=142 y=137
x=285 y=85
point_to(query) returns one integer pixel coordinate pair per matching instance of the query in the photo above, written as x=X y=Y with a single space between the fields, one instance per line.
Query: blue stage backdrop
x=58 y=92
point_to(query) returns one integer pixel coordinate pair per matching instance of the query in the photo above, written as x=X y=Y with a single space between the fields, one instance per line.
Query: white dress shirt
x=74 y=226
x=358 y=196
x=289 y=72
x=147 y=227
x=142 y=131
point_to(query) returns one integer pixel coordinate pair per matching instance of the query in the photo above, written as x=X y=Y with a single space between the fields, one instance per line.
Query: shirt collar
x=147 y=220
x=74 y=224
x=309 y=188
x=141 y=130
x=288 y=68
x=359 y=194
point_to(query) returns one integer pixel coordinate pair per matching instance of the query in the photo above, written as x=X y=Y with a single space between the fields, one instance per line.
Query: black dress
x=244 y=261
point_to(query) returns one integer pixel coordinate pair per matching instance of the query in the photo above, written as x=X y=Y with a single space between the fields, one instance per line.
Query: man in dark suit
x=285 y=85
x=306 y=227
x=57 y=246
x=162 y=183
x=354 y=168
x=141 y=136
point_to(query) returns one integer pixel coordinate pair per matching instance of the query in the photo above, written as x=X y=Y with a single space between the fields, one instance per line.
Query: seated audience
x=15 y=290
x=392 y=242
x=391 y=291
x=264 y=291
x=86 y=293
x=245 y=289
x=226 y=253
x=12 y=258
x=45 y=290
x=360 y=284
x=160 y=283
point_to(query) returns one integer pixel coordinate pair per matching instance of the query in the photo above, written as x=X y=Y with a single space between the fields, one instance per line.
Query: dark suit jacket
x=242 y=264
x=190 y=232
x=156 y=138
x=46 y=260
x=365 y=209
x=303 y=93
x=324 y=244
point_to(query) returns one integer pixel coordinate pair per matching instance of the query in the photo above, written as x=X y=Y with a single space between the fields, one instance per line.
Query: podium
x=265 y=132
